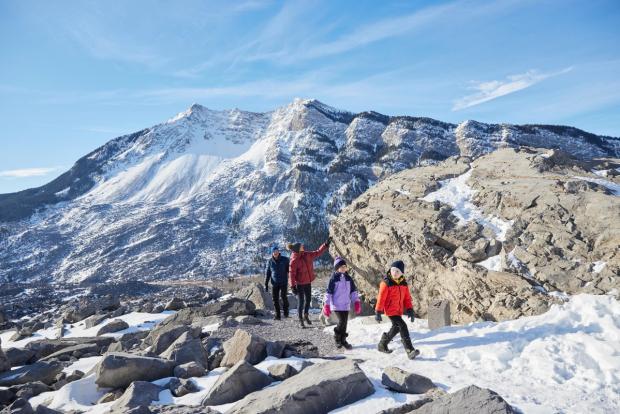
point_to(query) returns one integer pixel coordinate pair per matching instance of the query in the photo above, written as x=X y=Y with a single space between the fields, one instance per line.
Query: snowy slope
x=206 y=192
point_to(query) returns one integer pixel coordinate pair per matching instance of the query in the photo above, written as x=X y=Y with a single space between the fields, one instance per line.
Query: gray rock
x=472 y=251
x=180 y=387
x=181 y=409
x=113 y=326
x=468 y=400
x=19 y=356
x=47 y=347
x=236 y=383
x=188 y=370
x=138 y=394
x=19 y=406
x=110 y=396
x=248 y=320
x=186 y=349
x=128 y=341
x=30 y=389
x=118 y=370
x=439 y=314
x=39 y=371
x=175 y=304
x=162 y=337
x=76 y=351
x=321 y=388
x=244 y=346
x=94 y=320
x=6 y=397
x=256 y=293
x=230 y=307
x=399 y=380
x=280 y=372
x=275 y=348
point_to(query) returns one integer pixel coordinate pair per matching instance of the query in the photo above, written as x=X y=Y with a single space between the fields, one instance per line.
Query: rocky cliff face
x=207 y=192
x=499 y=236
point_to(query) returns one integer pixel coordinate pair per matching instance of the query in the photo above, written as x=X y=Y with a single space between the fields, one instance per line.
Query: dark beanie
x=295 y=247
x=399 y=265
x=274 y=248
x=339 y=261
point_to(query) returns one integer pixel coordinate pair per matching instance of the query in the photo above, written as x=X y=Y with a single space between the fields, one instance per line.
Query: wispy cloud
x=28 y=172
x=489 y=90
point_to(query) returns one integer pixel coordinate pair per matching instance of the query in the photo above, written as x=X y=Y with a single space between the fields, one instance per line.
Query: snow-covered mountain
x=207 y=192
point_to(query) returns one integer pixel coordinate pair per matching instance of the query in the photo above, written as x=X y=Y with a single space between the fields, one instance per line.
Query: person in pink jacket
x=340 y=294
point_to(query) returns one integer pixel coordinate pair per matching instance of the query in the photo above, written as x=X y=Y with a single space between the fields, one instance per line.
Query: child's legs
x=300 y=300
x=343 y=317
x=308 y=296
x=399 y=325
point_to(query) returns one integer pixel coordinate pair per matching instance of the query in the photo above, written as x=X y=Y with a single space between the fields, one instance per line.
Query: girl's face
x=301 y=249
x=343 y=268
x=396 y=273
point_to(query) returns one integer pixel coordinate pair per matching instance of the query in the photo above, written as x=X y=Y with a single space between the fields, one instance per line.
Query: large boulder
x=195 y=316
x=39 y=371
x=469 y=400
x=189 y=370
x=113 y=326
x=495 y=242
x=163 y=336
x=19 y=356
x=138 y=394
x=118 y=370
x=235 y=384
x=320 y=389
x=256 y=293
x=399 y=380
x=280 y=372
x=76 y=351
x=180 y=387
x=244 y=346
x=175 y=304
x=47 y=347
x=186 y=349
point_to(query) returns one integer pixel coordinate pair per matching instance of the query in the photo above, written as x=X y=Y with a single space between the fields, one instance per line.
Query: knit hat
x=295 y=247
x=274 y=249
x=339 y=261
x=399 y=265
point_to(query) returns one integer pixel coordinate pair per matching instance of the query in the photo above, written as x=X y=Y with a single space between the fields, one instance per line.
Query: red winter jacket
x=393 y=298
x=301 y=268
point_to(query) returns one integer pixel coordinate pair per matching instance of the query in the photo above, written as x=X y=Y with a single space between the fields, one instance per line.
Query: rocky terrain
x=205 y=193
x=501 y=236
x=100 y=354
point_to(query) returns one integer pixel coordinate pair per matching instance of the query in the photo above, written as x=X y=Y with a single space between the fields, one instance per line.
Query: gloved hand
x=327 y=310
x=294 y=289
x=358 y=307
x=378 y=317
x=266 y=287
x=328 y=241
x=410 y=314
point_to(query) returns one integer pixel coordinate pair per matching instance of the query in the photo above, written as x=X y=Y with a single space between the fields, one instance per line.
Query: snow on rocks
x=610 y=185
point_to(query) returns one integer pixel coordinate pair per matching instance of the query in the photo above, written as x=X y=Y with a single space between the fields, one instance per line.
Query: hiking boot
x=286 y=315
x=307 y=319
x=338 y=340
x=383 y=344
x=412 y=353
x=277 y=318
x=345 y=343
x=301 y=323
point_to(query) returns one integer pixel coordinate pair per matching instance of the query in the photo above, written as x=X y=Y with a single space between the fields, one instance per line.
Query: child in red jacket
x=393 y=300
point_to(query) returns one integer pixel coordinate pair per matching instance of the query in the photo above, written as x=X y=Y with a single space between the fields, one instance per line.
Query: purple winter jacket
x=341 y=292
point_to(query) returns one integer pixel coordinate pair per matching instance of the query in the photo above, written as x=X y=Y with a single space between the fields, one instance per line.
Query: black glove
x=266 y=287
x=294 y=290
x=328 y=241
x=378 y=317
x=410 y=314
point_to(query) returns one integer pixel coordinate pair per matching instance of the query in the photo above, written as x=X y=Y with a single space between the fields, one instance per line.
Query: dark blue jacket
x=277 y=271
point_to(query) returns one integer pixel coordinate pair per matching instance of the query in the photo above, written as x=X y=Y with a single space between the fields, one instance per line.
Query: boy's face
x=343 y=268
x=396 y=273
x=276 y=253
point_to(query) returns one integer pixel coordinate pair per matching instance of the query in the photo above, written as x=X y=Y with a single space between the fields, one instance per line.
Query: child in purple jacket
x=341 y=291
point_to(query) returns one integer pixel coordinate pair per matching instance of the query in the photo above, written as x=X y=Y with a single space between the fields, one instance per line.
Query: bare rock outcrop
x=493 y=236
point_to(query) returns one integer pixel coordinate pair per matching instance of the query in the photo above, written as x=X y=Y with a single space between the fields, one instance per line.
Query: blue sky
x=75 y=74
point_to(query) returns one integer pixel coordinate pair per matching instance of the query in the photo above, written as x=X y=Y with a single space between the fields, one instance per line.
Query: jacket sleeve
x=292 y=271
x=407 y=299
x=329 y=292
x=383 y=290
x=268 y=273
x=355 y=297
x=313 y=254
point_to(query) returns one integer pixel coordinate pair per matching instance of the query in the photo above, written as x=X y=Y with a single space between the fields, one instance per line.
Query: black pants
x=400 y=326
x=277 y=293
x=304 y=296
x=343 y=318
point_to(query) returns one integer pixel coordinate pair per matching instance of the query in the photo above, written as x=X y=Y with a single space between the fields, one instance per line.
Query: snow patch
x=611 y=186
x=492 y=263
x=598 y=266
x=456 y=193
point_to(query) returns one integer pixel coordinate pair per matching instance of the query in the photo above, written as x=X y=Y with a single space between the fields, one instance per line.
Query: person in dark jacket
x=301 y=273
x=340 y=294
x=393 y=300
x=277 y=273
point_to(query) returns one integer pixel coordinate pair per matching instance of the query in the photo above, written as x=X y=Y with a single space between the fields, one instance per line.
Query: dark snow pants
x=399 y=326
x=343 y=318
x=277 y=293
x=304 y=296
